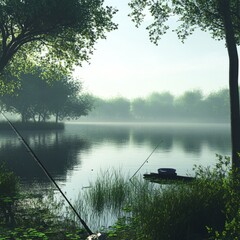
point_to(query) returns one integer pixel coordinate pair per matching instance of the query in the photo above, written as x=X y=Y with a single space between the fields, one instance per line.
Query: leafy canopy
x=191 y=14
x=58 y=34
x=38 y=100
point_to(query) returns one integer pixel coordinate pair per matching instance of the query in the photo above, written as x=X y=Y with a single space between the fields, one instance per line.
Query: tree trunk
x=56 y=117
x=233 y=83
x=23 y=117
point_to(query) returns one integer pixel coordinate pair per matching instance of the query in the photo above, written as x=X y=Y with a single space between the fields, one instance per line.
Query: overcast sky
x=127 y=64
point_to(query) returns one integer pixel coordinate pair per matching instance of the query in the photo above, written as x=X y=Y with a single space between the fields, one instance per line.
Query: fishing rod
x=145 y=161
x=31 y=152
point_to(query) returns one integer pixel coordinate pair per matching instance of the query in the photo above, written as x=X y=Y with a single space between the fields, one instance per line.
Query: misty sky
x=127 y=64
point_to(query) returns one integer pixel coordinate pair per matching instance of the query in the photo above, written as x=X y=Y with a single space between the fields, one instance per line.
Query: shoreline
x=32 y=125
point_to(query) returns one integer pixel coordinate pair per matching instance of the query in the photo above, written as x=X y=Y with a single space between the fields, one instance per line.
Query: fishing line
x=31 y=152
x=145 y=161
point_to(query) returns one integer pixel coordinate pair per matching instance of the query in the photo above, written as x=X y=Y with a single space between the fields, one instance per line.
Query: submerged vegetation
x=32 y=214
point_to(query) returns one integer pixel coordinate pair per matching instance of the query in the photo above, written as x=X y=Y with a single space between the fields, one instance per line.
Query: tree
x=24 y=100
x=216 y=105
x=159 y=105
x=221 y=18
x=189 y=104
x=139 y=109
x=117 y=108
x=75 y=105
x=38 y=100
x=59 y=34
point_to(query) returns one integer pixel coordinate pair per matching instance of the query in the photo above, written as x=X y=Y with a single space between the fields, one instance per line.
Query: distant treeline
x=190 y=106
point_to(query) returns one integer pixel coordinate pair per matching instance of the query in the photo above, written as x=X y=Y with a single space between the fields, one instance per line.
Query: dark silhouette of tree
x=56 y=34
x=75 y=107
x=38 y=99
x=219 y=17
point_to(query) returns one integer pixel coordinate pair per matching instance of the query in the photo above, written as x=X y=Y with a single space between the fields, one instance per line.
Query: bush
x=179 y=212
x=231 y=230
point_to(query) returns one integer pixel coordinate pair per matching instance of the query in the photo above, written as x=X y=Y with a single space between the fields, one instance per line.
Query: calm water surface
x=76 y=155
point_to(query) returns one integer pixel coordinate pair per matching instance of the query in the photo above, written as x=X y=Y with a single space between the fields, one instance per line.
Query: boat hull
x=171 y=177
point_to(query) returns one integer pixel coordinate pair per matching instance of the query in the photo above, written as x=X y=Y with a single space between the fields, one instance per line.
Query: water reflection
x=99 y=133
x=63 y=151
x=57 y=152
x=190 y=138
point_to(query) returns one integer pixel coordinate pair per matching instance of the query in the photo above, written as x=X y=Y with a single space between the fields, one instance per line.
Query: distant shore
x=32 y=125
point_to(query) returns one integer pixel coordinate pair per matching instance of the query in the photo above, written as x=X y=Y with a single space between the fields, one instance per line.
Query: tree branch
x=12 y=31
x=4 y=37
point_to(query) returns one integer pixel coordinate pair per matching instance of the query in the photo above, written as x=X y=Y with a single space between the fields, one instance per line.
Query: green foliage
x=39 y=215
x=8 y=182
x=8 y=195
x=25 y=233
x=38 y=99
x=231 y=228
x=218 y=103
x=208 y=15
x=110 y=191
x=112 y=109
x=190 y=106
x=56 y=34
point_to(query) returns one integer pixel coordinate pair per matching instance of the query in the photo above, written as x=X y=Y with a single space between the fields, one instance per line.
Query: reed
x=110 y=191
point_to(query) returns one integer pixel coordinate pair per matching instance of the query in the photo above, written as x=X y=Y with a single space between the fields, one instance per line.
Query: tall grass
x=178 y=212
x=110 y=191
x=102 y=204
x=110 y=198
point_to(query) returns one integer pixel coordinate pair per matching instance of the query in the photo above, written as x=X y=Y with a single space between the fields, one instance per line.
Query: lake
x=76 y=155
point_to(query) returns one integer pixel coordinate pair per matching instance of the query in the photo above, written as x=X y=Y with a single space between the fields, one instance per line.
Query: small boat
x=166 y=174
x=167 y=171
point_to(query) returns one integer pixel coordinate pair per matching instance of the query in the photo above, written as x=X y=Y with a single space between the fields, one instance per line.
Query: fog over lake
x=76 y=155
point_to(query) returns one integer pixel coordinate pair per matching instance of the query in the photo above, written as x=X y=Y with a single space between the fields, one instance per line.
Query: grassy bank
x=32 y=125
x=208 y=208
